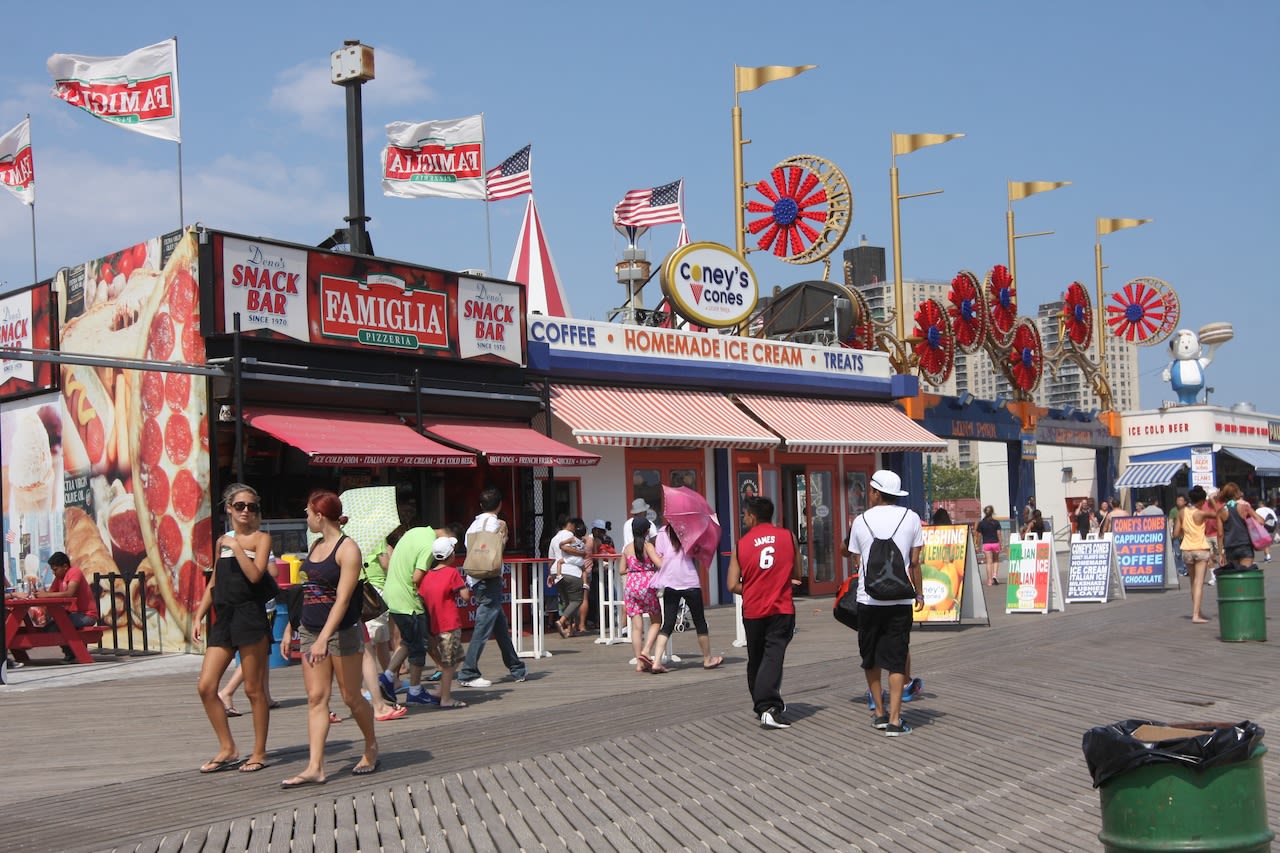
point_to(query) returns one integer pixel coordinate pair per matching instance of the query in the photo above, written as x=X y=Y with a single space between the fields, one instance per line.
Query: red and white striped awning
x=656 y=417
x=840 y=426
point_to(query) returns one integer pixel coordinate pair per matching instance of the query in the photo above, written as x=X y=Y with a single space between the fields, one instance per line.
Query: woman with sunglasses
x=239 y=625
x=332 y=638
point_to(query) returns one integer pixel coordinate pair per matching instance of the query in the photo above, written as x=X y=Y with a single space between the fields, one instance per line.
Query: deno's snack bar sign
x=710 y=285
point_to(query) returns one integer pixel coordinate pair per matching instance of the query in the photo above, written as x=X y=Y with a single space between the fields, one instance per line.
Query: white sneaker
x=476 y=682
x=769 y=721
x=1213 y=579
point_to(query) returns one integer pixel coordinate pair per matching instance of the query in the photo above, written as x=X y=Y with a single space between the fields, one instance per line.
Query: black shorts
x=1239 y=552
x=884 y=636
x=237 y=625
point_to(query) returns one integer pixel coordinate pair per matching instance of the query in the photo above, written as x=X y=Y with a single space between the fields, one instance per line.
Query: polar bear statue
x=1185 y=373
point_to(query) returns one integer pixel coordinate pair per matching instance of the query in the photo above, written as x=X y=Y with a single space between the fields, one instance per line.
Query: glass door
x=823 y=535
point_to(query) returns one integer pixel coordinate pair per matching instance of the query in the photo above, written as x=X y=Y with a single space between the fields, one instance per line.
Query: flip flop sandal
x=367 y=769
x=254 y=766
x=715 y=662
x=646 y=662
x=232 y=712
x=394 y=714
x=287 y=784
x=273 y=704
x=217 y=766
x=334 y=718
x=456 y=703
x=659 y=669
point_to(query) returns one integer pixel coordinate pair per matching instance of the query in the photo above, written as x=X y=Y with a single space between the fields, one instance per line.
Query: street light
x=351 y=66
x=1208 y=389
x=905 y=143
x=1019 y=190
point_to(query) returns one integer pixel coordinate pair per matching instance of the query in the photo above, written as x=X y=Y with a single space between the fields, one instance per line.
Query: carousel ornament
x=1144 y=312
x=933 y=342
x=862 y=331
x=968 y=312
x=808 y=212
x=1002 y=305
x=1025 y=359
x=1077 y=315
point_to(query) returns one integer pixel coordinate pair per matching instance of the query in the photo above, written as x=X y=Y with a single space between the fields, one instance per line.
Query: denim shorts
x=413 y=634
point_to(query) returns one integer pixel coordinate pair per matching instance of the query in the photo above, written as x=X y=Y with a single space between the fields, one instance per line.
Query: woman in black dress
x=234 y=594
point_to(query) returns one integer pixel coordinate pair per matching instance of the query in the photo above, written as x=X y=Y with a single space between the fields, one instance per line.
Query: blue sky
x=1160 y=110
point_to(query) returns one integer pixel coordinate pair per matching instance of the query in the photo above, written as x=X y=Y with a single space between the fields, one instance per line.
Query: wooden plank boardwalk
x=588 y=755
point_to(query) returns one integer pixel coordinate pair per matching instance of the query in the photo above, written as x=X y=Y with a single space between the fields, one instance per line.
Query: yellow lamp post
x=905 y=143
x=1019 y=190
x=746 y=79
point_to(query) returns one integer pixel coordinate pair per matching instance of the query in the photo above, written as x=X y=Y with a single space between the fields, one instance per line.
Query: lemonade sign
x=942 y=572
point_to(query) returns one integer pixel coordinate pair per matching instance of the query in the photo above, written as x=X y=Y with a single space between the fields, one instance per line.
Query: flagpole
x=182 y=217
x=484 y=171
x=35 y=274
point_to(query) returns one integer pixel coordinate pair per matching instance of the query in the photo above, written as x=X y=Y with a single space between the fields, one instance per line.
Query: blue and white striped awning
x=1142 y=475
x=1266 y=463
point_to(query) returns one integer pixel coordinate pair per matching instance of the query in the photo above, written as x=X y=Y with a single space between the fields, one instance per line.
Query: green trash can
x=1242 y=612
x=1170 y=807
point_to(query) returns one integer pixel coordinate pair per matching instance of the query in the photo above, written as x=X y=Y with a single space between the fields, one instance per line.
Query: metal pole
x=1097 y=264
x=740 y=240
x=182 y=216
x=235 y=389
x=35 y=275
x=1013 y=258
x=901 y=316
x=355 y=171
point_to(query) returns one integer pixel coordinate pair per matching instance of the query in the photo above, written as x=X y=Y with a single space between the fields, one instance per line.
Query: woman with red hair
x=332 y=643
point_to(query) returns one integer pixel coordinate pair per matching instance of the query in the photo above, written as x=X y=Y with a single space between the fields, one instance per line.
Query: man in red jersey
x=763 y=569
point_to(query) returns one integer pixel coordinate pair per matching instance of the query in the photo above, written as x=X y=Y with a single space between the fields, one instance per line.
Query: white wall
x=1052 y=485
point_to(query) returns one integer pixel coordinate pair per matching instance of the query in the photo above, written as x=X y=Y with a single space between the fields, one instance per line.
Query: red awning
x=840 y=426
x=508 y=443
x=357 y=440
x=656 y=417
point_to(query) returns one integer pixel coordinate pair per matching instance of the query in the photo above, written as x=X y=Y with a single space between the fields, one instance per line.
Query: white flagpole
x=182 y=217
x=488 y=227
x=35 y=275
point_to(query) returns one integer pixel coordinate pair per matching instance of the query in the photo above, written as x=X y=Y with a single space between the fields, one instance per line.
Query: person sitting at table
x=68 y=580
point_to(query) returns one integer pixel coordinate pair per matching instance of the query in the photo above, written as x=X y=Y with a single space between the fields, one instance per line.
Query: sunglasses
x=241 y=506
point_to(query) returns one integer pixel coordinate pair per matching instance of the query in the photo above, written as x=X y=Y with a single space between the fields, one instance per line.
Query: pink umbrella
x=693 y=520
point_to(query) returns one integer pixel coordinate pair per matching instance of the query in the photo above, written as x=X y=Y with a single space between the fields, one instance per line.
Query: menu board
x=1140 y=550
x=1089 y=573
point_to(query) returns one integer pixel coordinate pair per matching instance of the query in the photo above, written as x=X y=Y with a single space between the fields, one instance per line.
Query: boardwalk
x=588 y=755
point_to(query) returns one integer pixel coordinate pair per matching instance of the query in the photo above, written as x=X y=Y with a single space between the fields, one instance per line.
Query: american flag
x=655 y=206
x=11 y=536
x=512 y=177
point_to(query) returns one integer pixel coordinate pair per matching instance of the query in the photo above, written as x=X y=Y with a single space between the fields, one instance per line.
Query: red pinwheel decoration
x=933 y=342
x=1026 y=356
x=1145 y=312
x=968 y=312
x=1077 y=315
x=1002 y=304
x=795 y=193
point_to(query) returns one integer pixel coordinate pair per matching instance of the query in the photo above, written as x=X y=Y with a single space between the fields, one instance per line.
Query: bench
x=24 y=640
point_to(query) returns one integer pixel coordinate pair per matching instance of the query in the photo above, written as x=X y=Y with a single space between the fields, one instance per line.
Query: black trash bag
x=1112 y=750
x=1232 y=569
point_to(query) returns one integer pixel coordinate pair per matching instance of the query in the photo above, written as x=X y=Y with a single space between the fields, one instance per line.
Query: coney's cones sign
x=137 y=91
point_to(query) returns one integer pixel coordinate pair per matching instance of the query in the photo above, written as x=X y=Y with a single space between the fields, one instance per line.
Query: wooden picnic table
x=21 y=632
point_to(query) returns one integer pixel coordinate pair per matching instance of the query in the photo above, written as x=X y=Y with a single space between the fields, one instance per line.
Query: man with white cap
x=639 y=509
x=884 y=626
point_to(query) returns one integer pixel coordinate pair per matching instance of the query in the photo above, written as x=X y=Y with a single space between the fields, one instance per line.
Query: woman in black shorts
x=235 y=595
x=332 y=637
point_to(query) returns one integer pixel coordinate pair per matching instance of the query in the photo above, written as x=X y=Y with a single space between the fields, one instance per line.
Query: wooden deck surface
x=588 y=755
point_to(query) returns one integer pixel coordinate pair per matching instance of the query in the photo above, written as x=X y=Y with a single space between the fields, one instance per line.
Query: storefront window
x=646 y=483
x=822 y=562
x=686 y=477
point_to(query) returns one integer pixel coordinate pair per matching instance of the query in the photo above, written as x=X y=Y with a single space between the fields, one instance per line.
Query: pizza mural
x=135 y=444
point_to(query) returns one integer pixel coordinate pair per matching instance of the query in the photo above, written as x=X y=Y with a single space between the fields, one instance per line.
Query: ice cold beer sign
x=710 y=285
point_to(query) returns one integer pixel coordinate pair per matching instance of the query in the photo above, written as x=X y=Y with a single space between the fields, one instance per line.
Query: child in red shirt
x=440 y=588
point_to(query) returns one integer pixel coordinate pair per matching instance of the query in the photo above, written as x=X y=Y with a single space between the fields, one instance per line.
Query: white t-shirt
x=571 y=564
x=879 y=523
x=1266 y=513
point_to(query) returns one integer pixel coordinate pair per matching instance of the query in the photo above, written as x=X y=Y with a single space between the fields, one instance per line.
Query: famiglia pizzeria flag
x=17 y=172
x=435 y=158
x=137 y=91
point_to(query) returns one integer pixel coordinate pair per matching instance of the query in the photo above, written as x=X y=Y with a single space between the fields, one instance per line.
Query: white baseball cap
x=598 y=524
x=443 y=549
x=639 y=505
x=887 y=483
